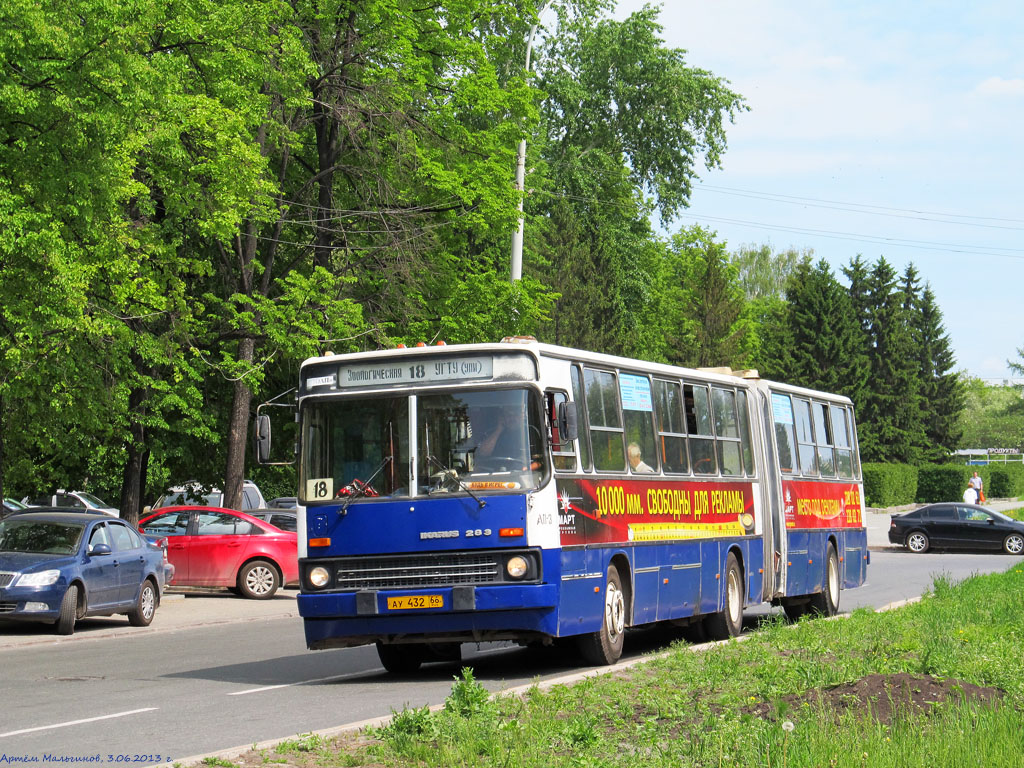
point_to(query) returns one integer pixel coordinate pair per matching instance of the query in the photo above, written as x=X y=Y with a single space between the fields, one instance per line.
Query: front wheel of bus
x=605 y=645
x=403 y=659
x=729 y=621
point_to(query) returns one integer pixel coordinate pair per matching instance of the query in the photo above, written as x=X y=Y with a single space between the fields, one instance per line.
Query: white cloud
x=997 y=86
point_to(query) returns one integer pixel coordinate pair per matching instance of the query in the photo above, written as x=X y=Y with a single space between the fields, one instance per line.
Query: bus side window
x=638 y=417
x=747 y=446
x=698 y=425
x=844 y=445
x=805 y=439
x=581 y=414
x=727 y=431
x=668 y=410
x=605 y=421
x=785 y=435
x=563 y=452
x=823 y=438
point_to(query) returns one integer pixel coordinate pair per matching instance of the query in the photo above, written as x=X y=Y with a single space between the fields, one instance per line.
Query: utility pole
x=516 y=270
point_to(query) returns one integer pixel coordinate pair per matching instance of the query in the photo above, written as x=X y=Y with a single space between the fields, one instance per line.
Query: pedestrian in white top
x=970 y=496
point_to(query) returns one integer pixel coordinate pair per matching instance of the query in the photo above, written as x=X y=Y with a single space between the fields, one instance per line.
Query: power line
x=909 y=213
x=976 y=250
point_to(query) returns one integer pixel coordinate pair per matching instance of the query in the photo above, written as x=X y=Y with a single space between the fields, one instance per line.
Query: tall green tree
x=941 y=388
x=708 y=325
x=825 y=335
x=893 y=406
x=625 y=122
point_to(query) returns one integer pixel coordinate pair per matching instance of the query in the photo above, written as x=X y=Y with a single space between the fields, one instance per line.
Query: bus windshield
x=466 y=441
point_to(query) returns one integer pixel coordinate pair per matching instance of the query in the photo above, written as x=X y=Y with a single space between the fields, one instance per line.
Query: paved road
x=215 y=671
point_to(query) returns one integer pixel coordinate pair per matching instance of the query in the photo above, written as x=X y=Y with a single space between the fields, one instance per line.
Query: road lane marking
x=365 y=673
x=77 y=722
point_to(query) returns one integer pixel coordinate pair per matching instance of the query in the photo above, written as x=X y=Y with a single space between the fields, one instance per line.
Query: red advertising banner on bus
x=822 y=504
x=603 y=511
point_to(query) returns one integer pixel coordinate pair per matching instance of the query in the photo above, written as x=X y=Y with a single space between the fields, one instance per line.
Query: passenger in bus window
x=636 y=460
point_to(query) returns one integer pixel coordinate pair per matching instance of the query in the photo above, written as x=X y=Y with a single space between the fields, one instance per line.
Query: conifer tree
x=826 y=337
x=942 y=390
x=893 y=407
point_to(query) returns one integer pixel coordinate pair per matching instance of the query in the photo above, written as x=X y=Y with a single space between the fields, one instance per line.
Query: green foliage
x=1003 y=481
x=993 y=416
x=942 y=482
x=710 y=326
x=468 y=697
x=763 y=273
x=623 y=117
x=890 y=484
x=767 y=701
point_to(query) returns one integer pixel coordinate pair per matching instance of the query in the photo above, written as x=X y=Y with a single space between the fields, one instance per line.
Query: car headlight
x=517 y=567
x=41 y=579
x=319 y=577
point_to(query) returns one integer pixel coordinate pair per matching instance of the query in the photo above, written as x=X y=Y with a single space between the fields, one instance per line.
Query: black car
x=965 y=526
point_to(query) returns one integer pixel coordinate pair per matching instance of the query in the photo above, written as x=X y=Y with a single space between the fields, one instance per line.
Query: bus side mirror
x=567 y=428
x=262 y=438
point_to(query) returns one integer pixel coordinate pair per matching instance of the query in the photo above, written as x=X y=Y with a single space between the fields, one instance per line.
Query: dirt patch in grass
x=883 y=696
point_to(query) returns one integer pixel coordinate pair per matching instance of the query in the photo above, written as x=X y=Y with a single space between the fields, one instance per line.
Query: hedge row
x=891 y=485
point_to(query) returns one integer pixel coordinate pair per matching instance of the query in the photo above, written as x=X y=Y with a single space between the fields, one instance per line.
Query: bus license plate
x=415 y=601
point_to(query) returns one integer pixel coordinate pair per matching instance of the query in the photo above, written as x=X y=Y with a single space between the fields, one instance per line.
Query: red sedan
x=216 y=547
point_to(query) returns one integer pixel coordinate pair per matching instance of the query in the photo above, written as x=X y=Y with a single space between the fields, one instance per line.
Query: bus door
x=775 y=517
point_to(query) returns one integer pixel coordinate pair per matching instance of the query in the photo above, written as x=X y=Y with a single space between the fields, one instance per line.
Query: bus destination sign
x=415 y=371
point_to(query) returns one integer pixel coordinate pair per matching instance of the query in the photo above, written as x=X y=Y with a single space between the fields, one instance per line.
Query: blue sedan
x=59 y=567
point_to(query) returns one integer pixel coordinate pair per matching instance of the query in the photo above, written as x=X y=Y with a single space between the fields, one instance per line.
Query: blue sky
x=879 y=128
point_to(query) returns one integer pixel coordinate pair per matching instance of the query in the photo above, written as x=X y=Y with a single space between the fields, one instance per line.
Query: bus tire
x=605 y=646
x=826 y=602
x=729 y=621
x=401 y=659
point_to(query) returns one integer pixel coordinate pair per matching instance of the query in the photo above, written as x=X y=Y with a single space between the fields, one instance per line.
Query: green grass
x=749 y=703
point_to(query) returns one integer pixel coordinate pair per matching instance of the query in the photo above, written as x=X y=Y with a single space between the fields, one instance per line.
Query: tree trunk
x=238 y=430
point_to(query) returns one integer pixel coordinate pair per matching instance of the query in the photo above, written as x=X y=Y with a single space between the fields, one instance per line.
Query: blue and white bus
x=525 y=492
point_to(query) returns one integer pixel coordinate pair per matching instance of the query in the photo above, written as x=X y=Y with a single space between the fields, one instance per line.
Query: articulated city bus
x=528 y=492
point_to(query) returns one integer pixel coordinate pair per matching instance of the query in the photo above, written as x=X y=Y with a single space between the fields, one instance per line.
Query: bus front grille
x=404 y=571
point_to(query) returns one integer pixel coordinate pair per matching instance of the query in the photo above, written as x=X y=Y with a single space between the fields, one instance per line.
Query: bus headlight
x=319 y=577
x=517 y=567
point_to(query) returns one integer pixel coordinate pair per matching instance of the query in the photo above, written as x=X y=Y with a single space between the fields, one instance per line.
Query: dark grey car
x=957 y=525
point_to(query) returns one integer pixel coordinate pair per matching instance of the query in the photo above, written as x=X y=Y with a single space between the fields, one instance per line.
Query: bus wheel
x=826 y=602
x=403 y=659
x=729 y=621
x=605 y=645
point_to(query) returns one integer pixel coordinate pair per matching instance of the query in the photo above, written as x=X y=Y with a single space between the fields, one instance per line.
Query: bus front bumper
x=462 y=613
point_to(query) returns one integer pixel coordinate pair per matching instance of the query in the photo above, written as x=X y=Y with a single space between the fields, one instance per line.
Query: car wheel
x=145 y=607
x=68 y=611
x=401 y=659
x=605 y=645
x=917 y=541
x=258 y=580
x=826 y=602
x=1013 y=544
x=729 y=621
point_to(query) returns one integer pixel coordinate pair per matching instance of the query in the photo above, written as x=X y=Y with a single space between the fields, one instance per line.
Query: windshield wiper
x=448 y=472
x=360 y=489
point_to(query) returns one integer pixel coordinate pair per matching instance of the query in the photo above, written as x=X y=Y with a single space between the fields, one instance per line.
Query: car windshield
x=93 y=501
x=466 y=441
x=26 y=535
